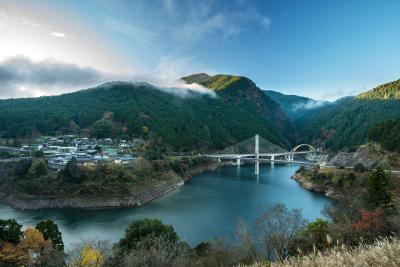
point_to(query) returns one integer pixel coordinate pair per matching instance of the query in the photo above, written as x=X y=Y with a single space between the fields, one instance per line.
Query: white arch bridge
x=257 y=149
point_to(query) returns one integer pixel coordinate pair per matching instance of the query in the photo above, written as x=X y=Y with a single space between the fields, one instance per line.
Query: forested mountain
x=387 y=134
x=389 y=90
x=191 y=121
x=346 y=122
x=295 y=106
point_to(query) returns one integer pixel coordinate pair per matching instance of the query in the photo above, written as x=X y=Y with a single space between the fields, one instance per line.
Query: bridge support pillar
x=219 y=160
x=238 y=162
x=257 y=167
x=272 y=159
x=257 y=154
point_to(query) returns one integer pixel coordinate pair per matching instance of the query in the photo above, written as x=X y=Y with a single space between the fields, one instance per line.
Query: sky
x=319 y=49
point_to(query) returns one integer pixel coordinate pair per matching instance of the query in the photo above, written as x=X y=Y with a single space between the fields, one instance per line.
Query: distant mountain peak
x=197 y=78
x=217 y=82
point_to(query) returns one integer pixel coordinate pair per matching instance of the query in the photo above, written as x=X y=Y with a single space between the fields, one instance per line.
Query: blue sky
x=319 y=49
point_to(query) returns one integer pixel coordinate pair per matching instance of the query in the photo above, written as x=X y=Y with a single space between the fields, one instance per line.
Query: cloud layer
x=310 y=104
x=22 y=77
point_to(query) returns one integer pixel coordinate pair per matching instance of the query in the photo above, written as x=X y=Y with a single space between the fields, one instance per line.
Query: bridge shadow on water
x=246 y=173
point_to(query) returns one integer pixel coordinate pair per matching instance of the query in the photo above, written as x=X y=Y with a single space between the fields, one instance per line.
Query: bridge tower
x=257 y=154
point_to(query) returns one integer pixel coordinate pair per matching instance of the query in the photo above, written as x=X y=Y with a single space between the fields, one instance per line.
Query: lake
x=207 y=207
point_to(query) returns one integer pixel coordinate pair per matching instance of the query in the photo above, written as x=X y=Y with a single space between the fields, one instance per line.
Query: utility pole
x=257 y=154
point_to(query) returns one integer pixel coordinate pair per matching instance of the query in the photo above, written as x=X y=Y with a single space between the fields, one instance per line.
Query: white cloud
x=140 y=35
x=310 y=104
x=167 y=76
x=265 y=22
x=59 y=34
x=202 y=21
x=20 y=76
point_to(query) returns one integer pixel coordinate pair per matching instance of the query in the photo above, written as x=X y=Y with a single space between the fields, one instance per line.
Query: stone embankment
x=23 y=201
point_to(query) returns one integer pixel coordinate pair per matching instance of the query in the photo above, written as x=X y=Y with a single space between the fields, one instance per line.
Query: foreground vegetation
x=365 y=212
x=383 y=252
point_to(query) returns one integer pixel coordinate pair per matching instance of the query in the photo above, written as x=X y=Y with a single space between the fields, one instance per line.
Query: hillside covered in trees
x=189 y=121
x=346 y=122
x=295 y=106
x=389 y=90
x=387 y=134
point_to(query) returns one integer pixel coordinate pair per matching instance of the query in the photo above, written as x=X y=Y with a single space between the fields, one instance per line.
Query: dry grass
x=383 y=253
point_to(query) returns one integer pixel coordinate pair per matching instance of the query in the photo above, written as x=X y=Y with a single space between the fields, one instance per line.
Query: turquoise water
x=207 y=207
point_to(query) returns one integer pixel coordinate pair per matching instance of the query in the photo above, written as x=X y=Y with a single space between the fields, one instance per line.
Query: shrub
x=50 y=231
x=359 y=167
x=10 y=231
x=379 y=188
x=313 y=235
x=23 y=167
x=38 y=168
x=145 y=229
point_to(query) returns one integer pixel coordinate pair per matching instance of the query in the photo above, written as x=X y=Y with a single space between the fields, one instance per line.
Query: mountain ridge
x=183 y=123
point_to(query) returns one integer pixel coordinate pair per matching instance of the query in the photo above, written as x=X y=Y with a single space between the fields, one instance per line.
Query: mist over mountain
x=347 y=121
x=295 y=106
x=238 y=110
x=225 y=109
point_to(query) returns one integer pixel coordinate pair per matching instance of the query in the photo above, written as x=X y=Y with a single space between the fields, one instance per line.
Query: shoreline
x=307 y=184
x=32 y=202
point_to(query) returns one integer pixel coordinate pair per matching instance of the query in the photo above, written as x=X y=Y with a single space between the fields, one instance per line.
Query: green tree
x=101 y=129
x=38 y=154
x=38 y=168
x=379 y=192
x=22 y=167
x=50 y=231
x=71 y=170
x=313 y=235
x=10 y=231
x=144 y=229
x=359 y=167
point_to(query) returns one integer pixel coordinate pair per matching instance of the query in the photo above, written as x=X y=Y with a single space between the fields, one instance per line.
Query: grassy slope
x=382 y=253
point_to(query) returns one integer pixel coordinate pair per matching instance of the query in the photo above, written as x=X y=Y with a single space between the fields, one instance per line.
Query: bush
x=379 y=192
x=359 y=167
x=23 y=167
x=10 y=231
x=301 y=169
x=144 y=229
x=38 y=168
x=50 y=231
x=313 y=235
x=101 y=129
x=162 y=253
x=38 y=154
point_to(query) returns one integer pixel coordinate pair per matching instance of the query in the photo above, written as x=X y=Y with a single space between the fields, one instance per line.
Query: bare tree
x=276 y=227
x=246 y=247
x=158 y=252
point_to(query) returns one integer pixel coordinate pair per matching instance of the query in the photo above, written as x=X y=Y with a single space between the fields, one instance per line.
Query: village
x=58 y=150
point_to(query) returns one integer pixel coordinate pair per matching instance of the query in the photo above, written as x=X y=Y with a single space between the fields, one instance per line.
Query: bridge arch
x=313 y=149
